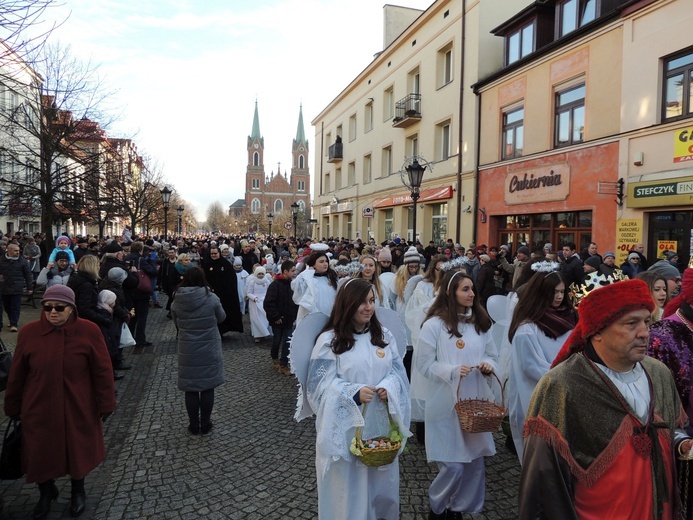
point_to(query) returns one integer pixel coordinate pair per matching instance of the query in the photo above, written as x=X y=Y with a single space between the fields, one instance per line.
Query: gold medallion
x=460 y=343
x=380 y=353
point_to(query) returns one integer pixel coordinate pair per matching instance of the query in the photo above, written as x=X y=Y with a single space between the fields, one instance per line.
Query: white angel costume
x=384 y=303
x=255 y=290
x=531 y=355
x=241 y=277
x=312 y=294
x=348 y=489
x=417 y=307
x=460 y=483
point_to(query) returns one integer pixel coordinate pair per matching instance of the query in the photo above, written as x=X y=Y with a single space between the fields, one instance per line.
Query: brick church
x=274 y=193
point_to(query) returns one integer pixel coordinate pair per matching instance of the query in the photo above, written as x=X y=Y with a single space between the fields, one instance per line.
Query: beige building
x=412 y=101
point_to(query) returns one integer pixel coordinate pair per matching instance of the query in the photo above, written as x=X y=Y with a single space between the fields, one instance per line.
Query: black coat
x=224 y=283
x=485 y=283
x=15 y=275
x=142 y=263
x=572 y=271
x=279 y=303
x=86 y=298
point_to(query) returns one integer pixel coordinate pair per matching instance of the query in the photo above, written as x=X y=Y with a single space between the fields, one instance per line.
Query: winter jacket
x=572 y=271
x=54 y=276
x=279 y=303
x=196 y=311
x=86 y=298
x=149 y=268
x=15 y=275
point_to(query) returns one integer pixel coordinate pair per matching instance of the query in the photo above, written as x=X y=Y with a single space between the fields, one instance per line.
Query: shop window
x=513 y=133
x=389 y=224
x=439 y=224
x=570 y=116
x=537 y=229
x=677 y=91
x=520 y=43
x=574 y=14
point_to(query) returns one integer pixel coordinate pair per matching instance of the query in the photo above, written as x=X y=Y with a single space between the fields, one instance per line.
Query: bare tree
x=217 y=218
x=22 y=27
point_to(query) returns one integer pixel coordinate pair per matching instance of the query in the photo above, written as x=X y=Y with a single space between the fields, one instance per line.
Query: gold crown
x=593 y=281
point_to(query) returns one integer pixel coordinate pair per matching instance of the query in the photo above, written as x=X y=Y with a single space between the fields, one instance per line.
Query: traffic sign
x=288 y=225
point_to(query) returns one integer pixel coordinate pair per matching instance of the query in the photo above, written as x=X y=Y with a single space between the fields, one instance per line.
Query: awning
x=426 y=196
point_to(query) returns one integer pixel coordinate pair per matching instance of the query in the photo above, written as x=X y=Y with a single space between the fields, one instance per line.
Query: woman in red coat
x=61 y=384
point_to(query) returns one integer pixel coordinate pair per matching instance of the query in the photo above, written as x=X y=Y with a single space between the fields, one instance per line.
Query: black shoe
x=453 y=515
x=435 y=516
x=118 y=377
x=204 y=430
x=121 y=366
x=168 y=315
x=78 y=504
x=147 y=344
x=193 y=429
x=49 y=492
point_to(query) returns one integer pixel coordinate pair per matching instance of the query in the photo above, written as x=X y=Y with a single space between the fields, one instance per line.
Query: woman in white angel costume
x=315 y=287
x=355 y=361
x=455 y=344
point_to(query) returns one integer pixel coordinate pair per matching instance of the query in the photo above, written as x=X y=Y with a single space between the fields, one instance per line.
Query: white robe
x=241 y=276
x=312 y=294
x=439 y=361
x=347 y=489
x=531 y=355
x=256 y=290
x=417 y=306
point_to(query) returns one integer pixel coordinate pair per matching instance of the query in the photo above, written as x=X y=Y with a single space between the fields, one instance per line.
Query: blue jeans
x=280 y=340
x=12 y=304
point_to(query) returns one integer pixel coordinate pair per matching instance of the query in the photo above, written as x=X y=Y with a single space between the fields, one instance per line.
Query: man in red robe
x=605 y=424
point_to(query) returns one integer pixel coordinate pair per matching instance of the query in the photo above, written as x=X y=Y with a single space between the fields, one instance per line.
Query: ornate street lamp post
x=270 y=216
x=294 y=212
x=415 y=172
x=179 y=211
x=166 y=199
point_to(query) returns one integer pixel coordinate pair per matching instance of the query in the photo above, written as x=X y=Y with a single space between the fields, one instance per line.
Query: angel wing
x=392 y=322
x=302 y=343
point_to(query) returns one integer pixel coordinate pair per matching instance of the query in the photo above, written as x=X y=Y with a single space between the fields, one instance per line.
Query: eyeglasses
x=57 y=308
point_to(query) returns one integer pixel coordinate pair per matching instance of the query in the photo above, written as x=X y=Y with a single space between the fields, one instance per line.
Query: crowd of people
x=573 y=310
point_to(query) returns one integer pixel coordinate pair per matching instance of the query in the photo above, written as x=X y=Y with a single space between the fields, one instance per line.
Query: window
x=328 y=140
x=519 y=43
x=574 y=14
x=278 y=206
x=570 y=116
x=412 y=145
x=439 y=224
x=352 y=127
x=255 y=206
x=367 y=172
x=386 y=165
x=445 y=65
x=443 y=140
x=351 y=174
x=301 y=162
x=368 y=118
x=389 y=223
x=326 y=188
x=256 y=184
x=301 y=185
x=678 y=94
x=513 y=133
x=388 y=104
x=256 y=159
x=338 y=178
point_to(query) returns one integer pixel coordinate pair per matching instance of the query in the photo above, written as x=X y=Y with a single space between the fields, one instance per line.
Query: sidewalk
x=257 y=463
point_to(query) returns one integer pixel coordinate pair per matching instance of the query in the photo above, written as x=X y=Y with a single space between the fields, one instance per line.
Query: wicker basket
x=480 y=415
x=377 y=456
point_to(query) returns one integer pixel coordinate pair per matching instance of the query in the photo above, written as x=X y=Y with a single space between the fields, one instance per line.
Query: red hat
x=600 y=308
x=686 y=294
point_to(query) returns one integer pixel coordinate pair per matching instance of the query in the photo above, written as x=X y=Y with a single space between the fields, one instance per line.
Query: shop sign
x=538 y=184
x=368 y=212
x=628 y=234
x=405 y=198
x=660 y=193
x=666 y=245
x=683 y=145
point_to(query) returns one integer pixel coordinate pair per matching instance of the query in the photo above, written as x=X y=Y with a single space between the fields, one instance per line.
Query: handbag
x=145 y=283
x=5 y=364
x=126 y=339
x=11 y=456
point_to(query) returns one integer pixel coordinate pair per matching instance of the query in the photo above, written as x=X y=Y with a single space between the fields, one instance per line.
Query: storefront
x=557 y=199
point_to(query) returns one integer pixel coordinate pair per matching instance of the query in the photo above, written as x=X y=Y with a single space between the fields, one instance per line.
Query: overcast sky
x=188 y=74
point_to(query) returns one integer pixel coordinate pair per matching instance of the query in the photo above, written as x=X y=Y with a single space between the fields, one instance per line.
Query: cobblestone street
x=257 y=463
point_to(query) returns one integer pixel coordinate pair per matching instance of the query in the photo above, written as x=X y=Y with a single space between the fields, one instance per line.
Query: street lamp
x=166 y=198
x=179 y=210
x=415 y=172
x=294 y=211
x=270 y=216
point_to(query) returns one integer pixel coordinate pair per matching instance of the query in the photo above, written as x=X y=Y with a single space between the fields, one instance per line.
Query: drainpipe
x=477 y=125
x=461 y=125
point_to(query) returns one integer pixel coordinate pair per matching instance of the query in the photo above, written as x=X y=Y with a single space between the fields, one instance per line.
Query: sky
x=187 y=74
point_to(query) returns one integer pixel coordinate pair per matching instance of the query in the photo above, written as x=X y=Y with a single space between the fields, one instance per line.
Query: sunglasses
x=57 y=308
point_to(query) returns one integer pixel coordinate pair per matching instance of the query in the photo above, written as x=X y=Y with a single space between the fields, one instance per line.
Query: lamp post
x=179 y=210
x=415 y=172
x=166 y=199
x=294 y=212
x=270 y=216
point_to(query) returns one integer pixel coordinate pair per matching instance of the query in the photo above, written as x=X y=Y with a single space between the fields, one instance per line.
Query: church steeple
x=300 y=133
x=256 y=125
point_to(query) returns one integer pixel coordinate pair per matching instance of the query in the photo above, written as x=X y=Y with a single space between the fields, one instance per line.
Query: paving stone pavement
x=257 y=462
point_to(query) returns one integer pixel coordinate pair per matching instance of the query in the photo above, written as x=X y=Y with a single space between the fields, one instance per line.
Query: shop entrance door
x=670 y=226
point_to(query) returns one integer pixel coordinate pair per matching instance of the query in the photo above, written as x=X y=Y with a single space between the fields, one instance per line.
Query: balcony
x=335 y=152
x=407 y=111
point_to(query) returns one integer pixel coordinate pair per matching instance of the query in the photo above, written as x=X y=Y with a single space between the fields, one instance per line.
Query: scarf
x=181 y=268
x=556 y=321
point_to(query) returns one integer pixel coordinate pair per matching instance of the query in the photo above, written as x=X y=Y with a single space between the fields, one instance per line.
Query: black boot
x=79 y=498
x=436 y=516
x=453 y=515
x=49 y=492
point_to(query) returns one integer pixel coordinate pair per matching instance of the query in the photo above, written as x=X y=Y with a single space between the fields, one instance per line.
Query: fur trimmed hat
x=412 y=256
x=601 y=308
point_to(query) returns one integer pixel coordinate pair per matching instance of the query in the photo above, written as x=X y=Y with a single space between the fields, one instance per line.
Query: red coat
x=60 y=381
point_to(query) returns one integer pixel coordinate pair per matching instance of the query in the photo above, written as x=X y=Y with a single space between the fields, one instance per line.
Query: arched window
x=278 y=206
x=256 y=159
x=255 y=206
x=301 y=162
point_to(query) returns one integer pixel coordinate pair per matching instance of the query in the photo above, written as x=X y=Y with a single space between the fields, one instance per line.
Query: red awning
x=426 y=195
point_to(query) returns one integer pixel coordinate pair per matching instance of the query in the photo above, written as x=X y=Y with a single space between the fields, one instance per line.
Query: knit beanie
x=593 y=261
x=62 y=255
x=523 y=249
x=664 y=268
x=384 y=255
x=412 y=256
x=117 y=274
x=633 y=255
x=609 y=254
x=237 y=260
x=59 y=293
x=602 y=307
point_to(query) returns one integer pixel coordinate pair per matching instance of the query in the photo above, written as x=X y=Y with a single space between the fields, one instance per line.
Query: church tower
x=300 y=174
x=255 y=173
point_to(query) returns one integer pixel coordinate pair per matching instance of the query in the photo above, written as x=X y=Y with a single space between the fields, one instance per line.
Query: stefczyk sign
x=660 y=193
x=538 y=184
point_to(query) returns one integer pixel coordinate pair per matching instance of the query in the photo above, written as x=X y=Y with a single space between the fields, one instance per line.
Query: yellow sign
x=666 y=245
x=628 y=234
x=683 y=145
x=664 y=192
